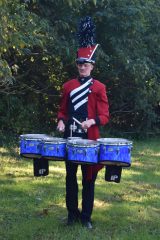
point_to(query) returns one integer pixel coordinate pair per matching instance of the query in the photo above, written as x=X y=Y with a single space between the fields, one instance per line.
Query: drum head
x=33 y=136
x=83 y=143
x=73 y=138
x=54 y=140
x=114 y=141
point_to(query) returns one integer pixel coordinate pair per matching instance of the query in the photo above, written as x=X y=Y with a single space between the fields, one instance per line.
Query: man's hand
x=88 y=123
x=61 y=126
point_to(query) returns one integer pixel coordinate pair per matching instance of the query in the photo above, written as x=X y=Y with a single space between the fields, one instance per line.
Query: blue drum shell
x=30 y=148
x=82 y=155
x=115 y=155
x=54 y=150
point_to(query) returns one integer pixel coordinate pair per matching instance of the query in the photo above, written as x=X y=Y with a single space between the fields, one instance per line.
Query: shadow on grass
x=34 y=208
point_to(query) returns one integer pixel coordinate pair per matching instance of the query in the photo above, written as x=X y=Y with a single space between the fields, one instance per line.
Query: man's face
x=84 y=69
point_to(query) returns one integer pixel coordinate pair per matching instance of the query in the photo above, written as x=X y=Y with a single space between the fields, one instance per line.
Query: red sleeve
x=102 y=107
x=63 y=107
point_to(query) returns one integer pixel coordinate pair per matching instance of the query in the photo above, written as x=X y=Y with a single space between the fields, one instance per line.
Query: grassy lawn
x=33 y=208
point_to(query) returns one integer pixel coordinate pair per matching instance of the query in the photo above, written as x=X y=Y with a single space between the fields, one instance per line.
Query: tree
x=38 y=49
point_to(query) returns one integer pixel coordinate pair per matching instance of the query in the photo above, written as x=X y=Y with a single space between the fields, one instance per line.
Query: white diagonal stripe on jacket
x=80 y=95
x=80 y=103
x=80 y=87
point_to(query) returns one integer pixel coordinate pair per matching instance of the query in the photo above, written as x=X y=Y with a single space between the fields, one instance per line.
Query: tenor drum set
x=43 y=148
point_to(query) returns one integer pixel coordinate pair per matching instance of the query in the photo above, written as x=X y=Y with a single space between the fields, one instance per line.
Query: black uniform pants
x=72 y=192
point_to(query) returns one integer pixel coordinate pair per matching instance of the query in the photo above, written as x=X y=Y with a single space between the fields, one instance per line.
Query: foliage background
x=37 y=53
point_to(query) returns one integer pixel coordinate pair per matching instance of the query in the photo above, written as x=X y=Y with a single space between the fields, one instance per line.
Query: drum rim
x=52 y=142
x=125 y=141
x=104 y=162
x=82 y=162
x=33 y=139
x=83 y=146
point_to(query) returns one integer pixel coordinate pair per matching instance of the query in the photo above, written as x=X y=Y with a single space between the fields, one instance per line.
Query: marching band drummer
x=83 y=99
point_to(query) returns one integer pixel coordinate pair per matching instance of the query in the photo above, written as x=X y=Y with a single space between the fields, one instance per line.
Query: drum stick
x=77 y=121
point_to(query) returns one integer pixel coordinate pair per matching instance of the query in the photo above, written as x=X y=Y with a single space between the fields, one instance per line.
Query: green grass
x=34 y=208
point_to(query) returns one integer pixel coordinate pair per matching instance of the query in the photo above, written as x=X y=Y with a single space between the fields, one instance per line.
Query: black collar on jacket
x=84 y=79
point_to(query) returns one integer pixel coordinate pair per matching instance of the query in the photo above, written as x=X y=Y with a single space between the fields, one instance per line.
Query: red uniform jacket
x=98 y=109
